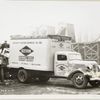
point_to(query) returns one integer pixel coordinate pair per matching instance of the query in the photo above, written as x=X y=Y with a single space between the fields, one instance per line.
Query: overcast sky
x=20 y=17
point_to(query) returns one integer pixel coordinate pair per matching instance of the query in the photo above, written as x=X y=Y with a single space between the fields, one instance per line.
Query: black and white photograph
x=49 y=48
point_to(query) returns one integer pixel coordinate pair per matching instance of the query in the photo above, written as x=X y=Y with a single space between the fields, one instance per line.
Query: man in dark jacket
x=4 y=45
x=5 y=51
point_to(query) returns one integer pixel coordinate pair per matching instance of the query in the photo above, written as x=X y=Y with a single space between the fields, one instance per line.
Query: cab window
x=61 y=57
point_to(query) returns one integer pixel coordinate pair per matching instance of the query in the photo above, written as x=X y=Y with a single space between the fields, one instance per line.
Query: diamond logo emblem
x=26 y=50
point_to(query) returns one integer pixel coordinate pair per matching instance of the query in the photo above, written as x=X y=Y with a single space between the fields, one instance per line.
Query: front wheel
x=94 y=83
x=79 y=80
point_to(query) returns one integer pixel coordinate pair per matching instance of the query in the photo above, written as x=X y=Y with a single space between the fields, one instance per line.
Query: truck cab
x=62 y=62
x=70 y=65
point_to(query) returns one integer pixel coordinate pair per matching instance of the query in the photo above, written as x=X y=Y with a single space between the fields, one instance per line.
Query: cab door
x=61 y=65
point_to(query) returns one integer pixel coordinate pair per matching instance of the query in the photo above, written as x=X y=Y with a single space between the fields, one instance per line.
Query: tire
x=43 y=79
x=23 y=76
x=79 y=80
x=94 y=83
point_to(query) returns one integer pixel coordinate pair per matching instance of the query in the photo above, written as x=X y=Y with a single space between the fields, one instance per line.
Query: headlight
x=94 y=68
x=88 y=69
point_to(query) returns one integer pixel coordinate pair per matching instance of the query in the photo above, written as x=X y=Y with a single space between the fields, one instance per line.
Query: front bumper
x=93 y=76
x=95 y=79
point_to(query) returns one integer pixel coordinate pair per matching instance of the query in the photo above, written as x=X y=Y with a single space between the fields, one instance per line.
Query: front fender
x=76 y=71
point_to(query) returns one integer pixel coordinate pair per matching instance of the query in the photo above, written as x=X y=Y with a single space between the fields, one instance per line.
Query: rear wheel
x=79 y=80
x=94 y=83
x=23 y=76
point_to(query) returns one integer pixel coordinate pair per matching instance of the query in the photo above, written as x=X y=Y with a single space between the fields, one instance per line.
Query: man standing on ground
x=4 y=54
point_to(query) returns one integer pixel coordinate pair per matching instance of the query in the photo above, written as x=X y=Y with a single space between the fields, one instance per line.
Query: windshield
x=75 y=56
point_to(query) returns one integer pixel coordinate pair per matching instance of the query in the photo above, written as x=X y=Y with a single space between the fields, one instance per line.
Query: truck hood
x=80 y=62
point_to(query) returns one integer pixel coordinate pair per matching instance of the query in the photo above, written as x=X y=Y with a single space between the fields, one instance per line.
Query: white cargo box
x=35 y=54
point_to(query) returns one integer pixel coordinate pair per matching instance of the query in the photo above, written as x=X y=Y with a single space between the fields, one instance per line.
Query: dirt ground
x=53 y=86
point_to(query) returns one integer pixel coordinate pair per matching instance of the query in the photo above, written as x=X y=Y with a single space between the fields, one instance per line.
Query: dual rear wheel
x=23 y=76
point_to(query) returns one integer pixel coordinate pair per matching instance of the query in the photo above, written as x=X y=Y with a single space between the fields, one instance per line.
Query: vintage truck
x=47 y=57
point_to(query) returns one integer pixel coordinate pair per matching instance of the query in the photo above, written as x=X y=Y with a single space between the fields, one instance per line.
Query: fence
x=89 y=51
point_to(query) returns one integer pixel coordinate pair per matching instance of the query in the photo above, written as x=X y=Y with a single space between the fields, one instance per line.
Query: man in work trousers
x=2 y=73
x=1 y=70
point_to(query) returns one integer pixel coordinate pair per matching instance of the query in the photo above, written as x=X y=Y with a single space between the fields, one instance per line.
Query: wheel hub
x=79 y=79
x=22 y=76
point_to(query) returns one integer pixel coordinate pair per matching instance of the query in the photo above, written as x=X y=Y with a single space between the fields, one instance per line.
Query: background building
x=45 y=30
x=66 y=29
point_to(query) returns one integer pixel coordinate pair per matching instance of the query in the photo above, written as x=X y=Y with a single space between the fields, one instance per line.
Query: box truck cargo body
x=35 y=54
